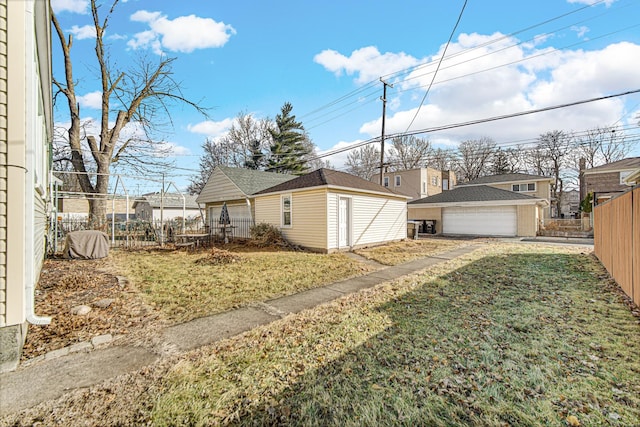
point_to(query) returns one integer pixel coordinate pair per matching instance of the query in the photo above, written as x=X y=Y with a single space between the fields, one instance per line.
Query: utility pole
x=384 y=108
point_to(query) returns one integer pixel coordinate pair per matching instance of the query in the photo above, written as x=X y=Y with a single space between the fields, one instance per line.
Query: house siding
x=543 y=191
x=417 y=183
x=309 y=219
x=25 y=122
x=267 y=210
x=3 y=162
x=608 y=182
x=376 y=220
x=221 y=189
x=527 y=220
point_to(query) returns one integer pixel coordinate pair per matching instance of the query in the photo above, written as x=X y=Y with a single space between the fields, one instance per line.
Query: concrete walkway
x=51 y=378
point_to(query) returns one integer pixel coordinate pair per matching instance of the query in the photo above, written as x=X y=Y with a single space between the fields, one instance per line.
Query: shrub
x=264 y=235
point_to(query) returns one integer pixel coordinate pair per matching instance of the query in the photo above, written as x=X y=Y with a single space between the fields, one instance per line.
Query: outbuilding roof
x=328 y=177
x=251 y=181
x=474 y=193
x=170 y=200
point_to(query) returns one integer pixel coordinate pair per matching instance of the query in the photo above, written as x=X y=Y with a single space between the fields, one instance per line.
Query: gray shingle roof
x=322 y=177
x=507 y=177
x=171 y=200
x=251 y=181
x=628 y=163
x=479 y=193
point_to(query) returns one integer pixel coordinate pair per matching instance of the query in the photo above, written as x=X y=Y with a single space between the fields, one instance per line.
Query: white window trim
x=385 y=181
x=397 y=180
x=282 y=211
x=526 y=185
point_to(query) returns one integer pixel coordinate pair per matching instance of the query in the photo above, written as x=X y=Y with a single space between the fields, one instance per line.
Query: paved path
x=51 y=378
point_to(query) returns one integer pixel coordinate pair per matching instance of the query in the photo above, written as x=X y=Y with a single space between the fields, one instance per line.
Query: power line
x=438 y=66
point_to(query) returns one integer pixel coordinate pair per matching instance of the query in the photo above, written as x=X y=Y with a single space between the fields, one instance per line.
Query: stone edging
x=81 y=347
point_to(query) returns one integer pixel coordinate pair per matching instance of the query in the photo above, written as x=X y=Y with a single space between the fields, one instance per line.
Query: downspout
x=30 y=302
x=250 y=213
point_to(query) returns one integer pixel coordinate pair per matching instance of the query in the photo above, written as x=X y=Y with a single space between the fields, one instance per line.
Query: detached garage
x=328 y=211
x=480 y=211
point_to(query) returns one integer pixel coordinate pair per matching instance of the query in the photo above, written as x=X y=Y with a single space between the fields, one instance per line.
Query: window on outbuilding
x=386 y=181
x=397 y=180
x=286 y=210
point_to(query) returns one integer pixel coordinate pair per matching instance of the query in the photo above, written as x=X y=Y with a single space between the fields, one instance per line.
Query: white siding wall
x=332 y=220
x=377 y=220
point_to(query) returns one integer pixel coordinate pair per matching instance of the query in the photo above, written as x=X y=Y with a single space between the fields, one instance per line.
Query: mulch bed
x=64 y=284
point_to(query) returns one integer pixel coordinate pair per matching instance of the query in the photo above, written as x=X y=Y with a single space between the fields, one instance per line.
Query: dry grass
x=408 y=250
x=512 y=336
x=507 y=335
x=186 y=285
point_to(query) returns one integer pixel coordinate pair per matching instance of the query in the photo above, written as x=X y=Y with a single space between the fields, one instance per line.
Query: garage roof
x=327 y=177
x=504 y=178
x=474 y=193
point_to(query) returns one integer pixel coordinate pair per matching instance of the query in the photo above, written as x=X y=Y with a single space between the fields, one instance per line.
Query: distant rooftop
x=507 y=177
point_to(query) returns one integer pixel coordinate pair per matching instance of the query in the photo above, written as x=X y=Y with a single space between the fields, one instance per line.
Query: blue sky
x=326 y=59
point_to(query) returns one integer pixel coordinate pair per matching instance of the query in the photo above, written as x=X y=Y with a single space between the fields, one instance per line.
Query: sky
x=445 y=63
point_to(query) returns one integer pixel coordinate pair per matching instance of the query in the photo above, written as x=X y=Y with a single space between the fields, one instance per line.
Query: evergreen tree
x=256 y=159
x=288 y=149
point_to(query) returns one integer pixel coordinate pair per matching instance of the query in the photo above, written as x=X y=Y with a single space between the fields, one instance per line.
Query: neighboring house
x=26 y=129
x=570 y=205
x=418 y=183
x=633 y=178
x=76 y=208
x=480 y=210
x=327 y=211
x=608 y=180
x=235 y=187
x=535 y=186
x=154 y=207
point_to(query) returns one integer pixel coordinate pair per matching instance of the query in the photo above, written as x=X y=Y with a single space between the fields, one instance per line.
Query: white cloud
x=84 y=32
x=170 y=149
x=590 y=2
x=73 y=6
x=91 y=100
x=117 y=37
x=182 y=34
x=581 y=30
x=211 y=128
x=367 y=63
x=493 y=80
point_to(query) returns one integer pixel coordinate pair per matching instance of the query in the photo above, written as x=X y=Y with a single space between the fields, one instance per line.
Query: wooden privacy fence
x=616 y=238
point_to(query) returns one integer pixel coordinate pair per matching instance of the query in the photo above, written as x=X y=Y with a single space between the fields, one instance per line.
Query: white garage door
x=483 y=221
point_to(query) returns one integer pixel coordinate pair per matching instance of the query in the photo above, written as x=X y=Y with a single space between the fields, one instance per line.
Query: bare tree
x=441 y=159
x=139 y=96
x=215 y=153
x=600 y=146
x=474 y=158
x=408 y=152
x=364 y=162
x=554 y=148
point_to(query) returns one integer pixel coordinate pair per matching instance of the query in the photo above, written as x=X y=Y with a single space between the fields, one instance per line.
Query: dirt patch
x=65 y=285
